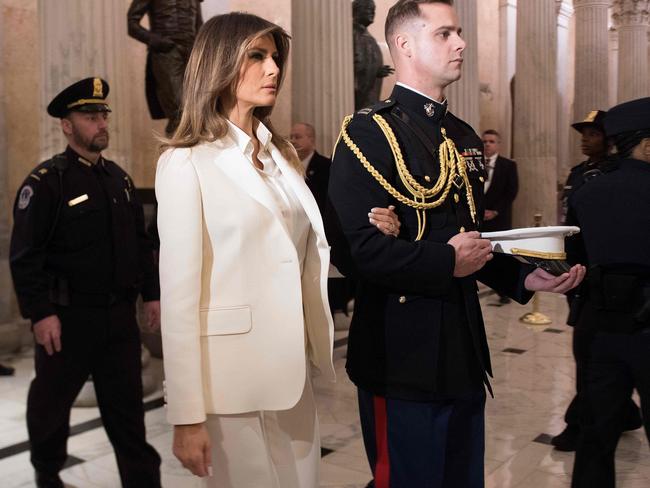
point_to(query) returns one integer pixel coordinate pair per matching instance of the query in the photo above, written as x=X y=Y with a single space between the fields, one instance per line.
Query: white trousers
x=278 y=449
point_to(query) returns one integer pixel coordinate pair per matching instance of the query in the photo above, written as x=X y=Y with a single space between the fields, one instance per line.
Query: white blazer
x=235 y=307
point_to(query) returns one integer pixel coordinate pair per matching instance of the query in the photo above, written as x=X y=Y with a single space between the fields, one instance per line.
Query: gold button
x=456 y=198
x=462 y=229
x=402 y=299
x=427 y=178
x=481 y=179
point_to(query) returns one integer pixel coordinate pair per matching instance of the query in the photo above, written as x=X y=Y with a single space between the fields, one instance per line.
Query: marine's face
x=490 y=145
x=437 y=46
x=301 y=140
x=592 y=142
x=89 y=130
x=259 y=74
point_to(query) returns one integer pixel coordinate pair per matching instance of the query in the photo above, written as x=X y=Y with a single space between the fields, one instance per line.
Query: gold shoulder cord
x=451 y=165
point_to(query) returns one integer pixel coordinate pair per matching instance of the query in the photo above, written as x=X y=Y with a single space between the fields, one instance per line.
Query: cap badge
x=591 y=116
x=98 y=88
x=429 y=109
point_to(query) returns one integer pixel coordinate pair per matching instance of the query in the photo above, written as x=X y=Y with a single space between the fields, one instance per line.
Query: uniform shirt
x=489 y=166
x=295 y=219
x=81 y=233
x=613 y=213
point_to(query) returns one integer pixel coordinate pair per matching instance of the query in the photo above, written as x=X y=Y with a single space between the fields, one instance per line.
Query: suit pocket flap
x=226 y=321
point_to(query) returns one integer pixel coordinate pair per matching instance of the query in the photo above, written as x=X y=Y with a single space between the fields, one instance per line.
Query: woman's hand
x=385 y=219
x=192 y=447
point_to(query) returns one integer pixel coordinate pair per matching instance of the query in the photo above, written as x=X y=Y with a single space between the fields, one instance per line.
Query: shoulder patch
x=25 y=197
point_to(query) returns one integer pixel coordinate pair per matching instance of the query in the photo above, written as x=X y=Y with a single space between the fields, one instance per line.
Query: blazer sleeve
x=180 y=225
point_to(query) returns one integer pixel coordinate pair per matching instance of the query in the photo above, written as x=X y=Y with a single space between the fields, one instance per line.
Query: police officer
x=79 y=258
x=596 y=147
x=613 y=212
x=417 y=347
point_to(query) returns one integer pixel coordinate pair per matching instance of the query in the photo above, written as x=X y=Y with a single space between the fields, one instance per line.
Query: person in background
x=501 y=186
x=79 y=259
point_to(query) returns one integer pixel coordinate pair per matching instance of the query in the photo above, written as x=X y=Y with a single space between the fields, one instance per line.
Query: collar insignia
x=429 y=109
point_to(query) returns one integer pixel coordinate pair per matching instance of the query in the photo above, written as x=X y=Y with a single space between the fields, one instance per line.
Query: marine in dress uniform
x=596 y=147
x=417 y=347
x=613 y=311
x=80 y=257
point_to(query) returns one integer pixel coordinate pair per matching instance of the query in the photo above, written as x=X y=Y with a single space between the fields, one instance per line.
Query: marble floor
x=534 y=380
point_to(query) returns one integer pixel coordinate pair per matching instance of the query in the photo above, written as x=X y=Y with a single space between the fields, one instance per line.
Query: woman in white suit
x=243 y=270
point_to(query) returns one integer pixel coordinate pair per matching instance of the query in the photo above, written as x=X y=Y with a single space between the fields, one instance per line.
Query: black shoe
x=45 y=480
x=6 y=370
x=567 y=440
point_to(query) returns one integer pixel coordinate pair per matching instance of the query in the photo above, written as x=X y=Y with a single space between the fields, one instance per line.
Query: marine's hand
x=160 y=44
x=472 y=253
x=540 y=280
x=385 y=219
x=192 y=447
x=152 y=315
x=47 y=333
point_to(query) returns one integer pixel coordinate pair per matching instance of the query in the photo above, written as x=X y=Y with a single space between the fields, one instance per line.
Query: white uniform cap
x=541 y=246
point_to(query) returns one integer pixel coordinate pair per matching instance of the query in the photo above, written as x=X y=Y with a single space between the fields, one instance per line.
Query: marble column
x=464 y=95
x=631 y=20
x=323 y=77
x=613 y=67
x=535 y=112
x=591 y=67
x=5 y=204
x=95 y=47
x=507 y=63
x=564 y=62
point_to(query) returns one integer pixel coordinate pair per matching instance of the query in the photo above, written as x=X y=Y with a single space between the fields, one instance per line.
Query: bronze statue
x=368 y=68
x=173 y=28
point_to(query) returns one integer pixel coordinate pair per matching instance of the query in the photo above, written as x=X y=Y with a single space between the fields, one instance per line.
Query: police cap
x=630 y=116
x=87 y=95
x=593 y=119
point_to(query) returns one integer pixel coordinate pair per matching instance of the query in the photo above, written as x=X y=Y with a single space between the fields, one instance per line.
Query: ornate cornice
x=630 y=12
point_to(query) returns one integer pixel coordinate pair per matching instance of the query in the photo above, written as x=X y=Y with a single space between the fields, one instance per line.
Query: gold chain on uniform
x=451 y=164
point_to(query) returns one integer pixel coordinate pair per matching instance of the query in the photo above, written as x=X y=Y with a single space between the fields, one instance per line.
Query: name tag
x=78 y=200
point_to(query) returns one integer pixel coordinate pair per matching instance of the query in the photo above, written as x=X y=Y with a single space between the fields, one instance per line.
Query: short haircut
x=404 y=10
x=492 y=132
x=311 y=131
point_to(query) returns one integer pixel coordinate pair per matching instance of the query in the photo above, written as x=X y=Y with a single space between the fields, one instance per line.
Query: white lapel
x=239 y=169
x=300 y=188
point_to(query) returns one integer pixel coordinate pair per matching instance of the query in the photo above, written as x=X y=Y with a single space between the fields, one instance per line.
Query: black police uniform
x=613 y=212
x=79 y=251
x=417 y=348
x=578 y=175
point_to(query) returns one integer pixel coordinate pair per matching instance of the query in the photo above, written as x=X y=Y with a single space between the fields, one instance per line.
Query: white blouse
x=295 y=218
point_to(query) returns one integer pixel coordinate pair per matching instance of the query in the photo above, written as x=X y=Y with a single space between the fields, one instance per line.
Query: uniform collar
x=243 y=140
x=73 y=156
x=416 y=101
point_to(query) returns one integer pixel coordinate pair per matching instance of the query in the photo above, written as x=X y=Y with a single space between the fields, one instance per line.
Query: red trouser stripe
x=382 y=468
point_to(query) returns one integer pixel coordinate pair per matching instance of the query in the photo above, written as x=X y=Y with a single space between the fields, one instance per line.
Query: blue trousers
x=424 y=445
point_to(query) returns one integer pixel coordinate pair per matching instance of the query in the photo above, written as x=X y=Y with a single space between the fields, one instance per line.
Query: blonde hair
x=212 y=74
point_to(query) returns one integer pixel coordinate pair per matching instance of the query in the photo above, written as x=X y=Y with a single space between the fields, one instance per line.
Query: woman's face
x=258 y=77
